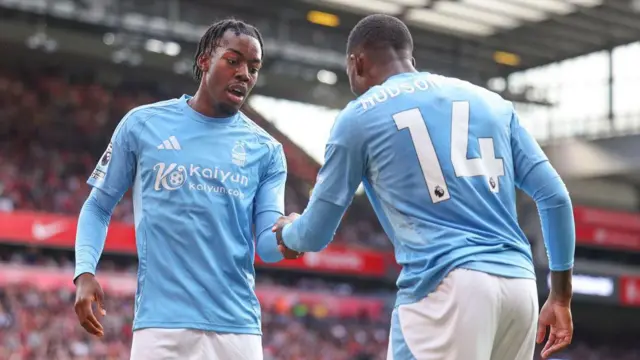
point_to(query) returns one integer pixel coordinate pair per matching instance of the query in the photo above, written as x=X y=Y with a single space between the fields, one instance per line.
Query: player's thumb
x=541 y=333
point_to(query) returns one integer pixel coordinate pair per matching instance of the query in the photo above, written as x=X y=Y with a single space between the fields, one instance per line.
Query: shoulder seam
x=254 y=127
x=141 y=108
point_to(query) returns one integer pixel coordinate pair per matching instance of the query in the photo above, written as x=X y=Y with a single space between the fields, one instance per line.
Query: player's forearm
x=315 y=228
x=556 y=215
x=561 y=286
x=266 y=242
x=91 y=234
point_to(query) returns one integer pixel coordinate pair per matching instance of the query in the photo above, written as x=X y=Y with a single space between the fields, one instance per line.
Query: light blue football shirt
x=440 y=160
x=199 y=185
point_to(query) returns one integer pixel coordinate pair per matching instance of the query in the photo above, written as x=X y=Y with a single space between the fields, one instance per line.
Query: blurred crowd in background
x=58 y=125
x=42 y=325
x=54 y=128
x=73 y=68
x=37 y=324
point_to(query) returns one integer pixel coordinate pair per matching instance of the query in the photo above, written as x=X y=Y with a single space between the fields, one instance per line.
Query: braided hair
x=211 y=39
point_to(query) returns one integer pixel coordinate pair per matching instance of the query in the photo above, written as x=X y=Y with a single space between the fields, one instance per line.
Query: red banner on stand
x=608 y=238
x=124 y=284
x=49 y=230
x=616 y=220
x=607 y=229
x=630 y=290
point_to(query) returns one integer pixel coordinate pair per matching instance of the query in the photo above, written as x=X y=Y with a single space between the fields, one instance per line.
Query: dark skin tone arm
x=277 y=228
x=88 y=291
x=556 y=315
x=561 y=287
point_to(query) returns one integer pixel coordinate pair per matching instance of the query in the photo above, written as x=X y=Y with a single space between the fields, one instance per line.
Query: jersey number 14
x=486 y=165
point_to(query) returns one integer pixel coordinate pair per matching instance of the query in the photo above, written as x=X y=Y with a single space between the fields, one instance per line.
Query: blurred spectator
x=54 y=127
x=37 y=325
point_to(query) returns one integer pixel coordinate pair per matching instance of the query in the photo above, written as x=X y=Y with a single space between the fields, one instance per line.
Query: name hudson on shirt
x=173 y=176
x=388 y=92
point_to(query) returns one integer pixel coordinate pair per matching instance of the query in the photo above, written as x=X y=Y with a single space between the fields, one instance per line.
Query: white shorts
x=470 y=316
x=186 y=344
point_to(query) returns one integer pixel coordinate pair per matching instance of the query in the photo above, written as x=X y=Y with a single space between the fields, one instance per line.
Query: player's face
x=231 y=71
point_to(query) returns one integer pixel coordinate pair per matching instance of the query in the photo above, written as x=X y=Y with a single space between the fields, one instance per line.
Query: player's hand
x=88 y=291
x=556 y=315
x=277 y=228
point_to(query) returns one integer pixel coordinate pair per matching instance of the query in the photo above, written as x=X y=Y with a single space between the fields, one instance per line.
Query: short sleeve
x=345 y=161
x=116 y=168
x=526 y=151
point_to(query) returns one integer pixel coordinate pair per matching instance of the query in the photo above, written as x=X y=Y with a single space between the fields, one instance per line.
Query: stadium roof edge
x=532 y=34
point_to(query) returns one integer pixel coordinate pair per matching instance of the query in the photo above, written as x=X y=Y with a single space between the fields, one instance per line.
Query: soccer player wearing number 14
x=440 y=160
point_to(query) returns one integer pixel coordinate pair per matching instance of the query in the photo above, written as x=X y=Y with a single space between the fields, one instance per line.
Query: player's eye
x=232 y=61
x=254 y=70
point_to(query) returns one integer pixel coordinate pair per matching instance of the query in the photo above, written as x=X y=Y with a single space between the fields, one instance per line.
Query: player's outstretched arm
x=313 y=230
x=337 y=183
x=535 y=176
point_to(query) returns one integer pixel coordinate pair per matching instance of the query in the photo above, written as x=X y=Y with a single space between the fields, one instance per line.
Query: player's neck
x=394 y=68
x=201 y=103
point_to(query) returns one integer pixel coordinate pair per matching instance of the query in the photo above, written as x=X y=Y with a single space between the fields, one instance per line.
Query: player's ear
x=359 y=63
x=351 y=60
x=413 y=61
x=203 y=62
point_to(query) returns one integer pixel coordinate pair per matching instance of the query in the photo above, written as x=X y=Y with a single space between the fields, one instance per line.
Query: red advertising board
x=125 y=284
x=51 y=230
x=337 y=260
x=618 y=220
x=604 y=228
x=630 y=290
x=606 y=237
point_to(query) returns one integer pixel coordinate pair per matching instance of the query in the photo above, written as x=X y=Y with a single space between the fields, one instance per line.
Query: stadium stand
x=43 y=166
x=62 y=95
x=62 y=140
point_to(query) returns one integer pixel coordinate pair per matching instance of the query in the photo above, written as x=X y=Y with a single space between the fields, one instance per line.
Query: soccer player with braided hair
x=202 y=175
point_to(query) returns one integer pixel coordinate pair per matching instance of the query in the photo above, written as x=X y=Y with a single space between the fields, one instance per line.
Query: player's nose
x=242 y=73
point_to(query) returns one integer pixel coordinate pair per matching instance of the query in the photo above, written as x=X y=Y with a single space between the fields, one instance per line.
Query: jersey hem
x=514 y=272
x=229 y=329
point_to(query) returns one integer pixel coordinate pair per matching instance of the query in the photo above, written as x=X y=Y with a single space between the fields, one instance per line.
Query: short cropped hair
x=211 y=39
x=380 y=31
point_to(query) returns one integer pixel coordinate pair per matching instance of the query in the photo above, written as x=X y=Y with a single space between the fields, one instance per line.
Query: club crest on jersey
x=239 y=154
x=170 y=177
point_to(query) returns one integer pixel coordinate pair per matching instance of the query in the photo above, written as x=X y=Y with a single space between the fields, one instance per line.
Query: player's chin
x=230 y=108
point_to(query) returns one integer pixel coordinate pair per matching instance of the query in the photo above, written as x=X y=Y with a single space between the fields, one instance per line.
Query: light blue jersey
x=199 y=185
x=440 y=160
